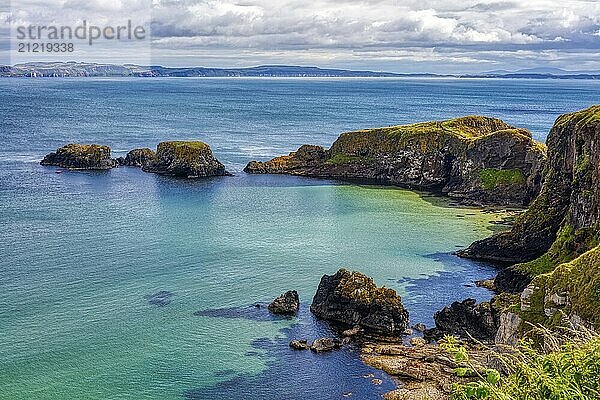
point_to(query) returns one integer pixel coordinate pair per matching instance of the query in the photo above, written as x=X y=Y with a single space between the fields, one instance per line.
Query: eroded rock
x=81 y=156
x=185 y=160
x=286 y=304
x=352 y=299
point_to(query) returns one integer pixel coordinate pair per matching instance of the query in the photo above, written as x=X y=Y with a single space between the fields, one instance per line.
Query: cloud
x=464 y=33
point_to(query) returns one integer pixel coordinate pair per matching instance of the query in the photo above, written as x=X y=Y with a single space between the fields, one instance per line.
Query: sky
x=435 y=36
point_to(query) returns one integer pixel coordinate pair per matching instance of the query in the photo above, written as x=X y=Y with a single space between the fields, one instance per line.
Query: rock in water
x=81 y=156
x=474 y=159
x=468 y=319
x=323 y=345
x=186 y=160
x=286 y=304
x=138 y=158
x=352 y=299
x=299 y=344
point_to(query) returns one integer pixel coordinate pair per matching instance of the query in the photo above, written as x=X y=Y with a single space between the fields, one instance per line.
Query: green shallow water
x=82 y=250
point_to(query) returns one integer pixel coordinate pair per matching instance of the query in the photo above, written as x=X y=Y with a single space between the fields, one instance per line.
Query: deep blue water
x=102 y=273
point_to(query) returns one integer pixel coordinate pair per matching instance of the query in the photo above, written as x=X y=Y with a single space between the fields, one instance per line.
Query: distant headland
x=81 y=69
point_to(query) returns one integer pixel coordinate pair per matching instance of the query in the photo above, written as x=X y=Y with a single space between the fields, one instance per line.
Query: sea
x=126 y=285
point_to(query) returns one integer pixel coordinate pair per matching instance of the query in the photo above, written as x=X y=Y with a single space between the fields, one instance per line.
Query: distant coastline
x=78 y=69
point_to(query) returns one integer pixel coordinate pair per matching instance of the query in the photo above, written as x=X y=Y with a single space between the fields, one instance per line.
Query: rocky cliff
x=81 y=156
x=563 y=221
x=554 y=245
x=351 y=299
x=475 y=159
x=186 y=160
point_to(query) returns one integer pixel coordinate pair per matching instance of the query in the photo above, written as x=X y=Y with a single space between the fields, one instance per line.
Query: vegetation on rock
x=475 y=159
x=352 y=299
x=81 y=156
x=564 y=371
x=492 y=178
x=185 y=159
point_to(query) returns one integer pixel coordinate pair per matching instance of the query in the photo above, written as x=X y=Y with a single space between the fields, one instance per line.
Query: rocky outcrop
x=301 y=344
x=569 y=295
x=351 y=299
x=185 y=160
x=563 y=222
x=323 y=345
x=468 y=319
x=81 y=156
x=426 y=372
x=137 y=158
x=474 y=159
x=286 y=304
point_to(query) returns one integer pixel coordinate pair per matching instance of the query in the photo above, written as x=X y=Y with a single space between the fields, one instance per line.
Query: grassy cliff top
x=428 y=136
x=579 y=118
x=181 y=144
x=468 y=127
x=76 y=148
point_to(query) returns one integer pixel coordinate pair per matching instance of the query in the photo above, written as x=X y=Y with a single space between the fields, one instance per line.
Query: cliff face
x=81 y=156
x=185 y=159
x=563 y=222
x=475 y=159
x=554 y=245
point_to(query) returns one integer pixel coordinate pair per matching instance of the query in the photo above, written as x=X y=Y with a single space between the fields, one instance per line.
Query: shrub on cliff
x=565 y=371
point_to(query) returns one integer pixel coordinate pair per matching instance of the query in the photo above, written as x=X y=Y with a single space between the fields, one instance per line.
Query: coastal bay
x=84 y=250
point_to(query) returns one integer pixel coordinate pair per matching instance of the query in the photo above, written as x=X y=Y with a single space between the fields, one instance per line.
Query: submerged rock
x=160 y=299
x=286 y=304
x=323 y=345
x=475 y=159
x=186 y=160
x=352 y=299
x=138 y=158
x=81 y=156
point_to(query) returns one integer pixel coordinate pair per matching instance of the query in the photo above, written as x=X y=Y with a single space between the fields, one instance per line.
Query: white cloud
x=375 y=32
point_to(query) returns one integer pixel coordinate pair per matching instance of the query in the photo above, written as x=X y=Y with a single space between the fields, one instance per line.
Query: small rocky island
x=186 y=160
x=477 y=160
x=81 y=156
x=352 y=300
x=182 y=159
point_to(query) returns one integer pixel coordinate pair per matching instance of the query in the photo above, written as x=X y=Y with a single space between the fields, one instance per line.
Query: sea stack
x=81 y=157
x=137 y=158
x=351 y=299
x=185 y=159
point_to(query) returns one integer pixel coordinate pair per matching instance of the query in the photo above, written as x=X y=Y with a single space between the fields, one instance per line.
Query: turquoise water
x=81 y=252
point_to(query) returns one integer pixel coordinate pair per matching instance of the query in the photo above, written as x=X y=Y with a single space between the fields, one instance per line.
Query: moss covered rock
x=138 y=158
x=476 y=159
x=564 y=220
x=186 y=160
x=81 y=156
x=351 y=299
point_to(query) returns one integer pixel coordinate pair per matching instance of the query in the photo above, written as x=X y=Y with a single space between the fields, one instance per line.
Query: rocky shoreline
x=549 y=266
x=549 y=261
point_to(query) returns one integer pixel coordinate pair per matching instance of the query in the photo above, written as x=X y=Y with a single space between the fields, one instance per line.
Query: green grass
x=583 y=117
x=492 y=178
x=570 y=371
x=339 y=159
x=569 y=244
